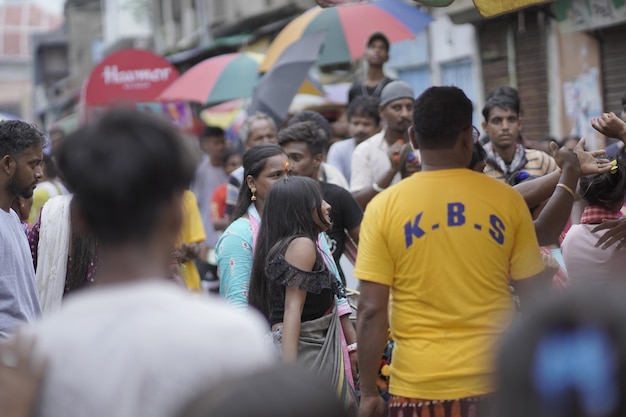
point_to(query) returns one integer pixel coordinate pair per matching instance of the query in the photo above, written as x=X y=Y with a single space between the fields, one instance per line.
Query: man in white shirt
x=375 y=162
x=21 y=152
x=134 y=344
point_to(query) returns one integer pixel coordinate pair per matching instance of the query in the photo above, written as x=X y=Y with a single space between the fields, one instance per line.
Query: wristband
x=377 y=187
x=568 y=189
x=351 y=348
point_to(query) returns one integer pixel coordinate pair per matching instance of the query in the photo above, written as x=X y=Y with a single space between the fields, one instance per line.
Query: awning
x=232 y=41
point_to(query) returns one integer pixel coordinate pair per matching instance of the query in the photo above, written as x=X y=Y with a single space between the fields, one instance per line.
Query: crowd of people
x=489 y=273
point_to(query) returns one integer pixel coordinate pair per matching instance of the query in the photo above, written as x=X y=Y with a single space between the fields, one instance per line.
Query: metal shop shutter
x=613 y=49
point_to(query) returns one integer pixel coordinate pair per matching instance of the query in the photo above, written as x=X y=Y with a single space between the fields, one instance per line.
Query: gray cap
x=396 y=90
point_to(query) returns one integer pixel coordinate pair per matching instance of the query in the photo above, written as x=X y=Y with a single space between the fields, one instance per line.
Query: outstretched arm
x=540 y=189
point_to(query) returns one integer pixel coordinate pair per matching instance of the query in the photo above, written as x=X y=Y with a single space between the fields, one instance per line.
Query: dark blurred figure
x=566 y=358
x=279 y=391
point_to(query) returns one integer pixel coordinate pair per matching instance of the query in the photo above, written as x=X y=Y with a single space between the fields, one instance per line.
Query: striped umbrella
x=222 y=78
x=215 y=80
x=348 y=28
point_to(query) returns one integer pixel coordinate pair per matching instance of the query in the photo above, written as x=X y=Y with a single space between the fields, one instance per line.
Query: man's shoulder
x=370 y=142
x=333 y=190
x=342 y=145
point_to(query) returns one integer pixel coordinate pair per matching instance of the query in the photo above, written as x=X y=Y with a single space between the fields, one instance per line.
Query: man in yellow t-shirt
x=444 y=244
x=189 y=239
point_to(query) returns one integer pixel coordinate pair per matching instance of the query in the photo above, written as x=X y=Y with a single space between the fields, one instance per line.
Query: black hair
x=17 y=136
x=624 y=100
x=308 y=132
x=229 y=153
x=123 y=170
x=312 y=116
x=364 y=106
x=605 y=190
x=544 y=359
x=212 y=132
x=299 y=197
x=380 y=37
x=253 y=164
x=503 y=102
x=507 y=91
x=439 y=115
x=478 y=154
x=50 y=167
x=279 y=390
x=566 y=139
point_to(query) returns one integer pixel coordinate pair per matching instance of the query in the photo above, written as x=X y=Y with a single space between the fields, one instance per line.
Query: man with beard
x=21 y=152
x=375 y=162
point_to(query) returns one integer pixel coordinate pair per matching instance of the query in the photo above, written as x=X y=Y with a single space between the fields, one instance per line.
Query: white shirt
x=587 y=264
x=19 y=301
x=369 y=160
x=142 y=349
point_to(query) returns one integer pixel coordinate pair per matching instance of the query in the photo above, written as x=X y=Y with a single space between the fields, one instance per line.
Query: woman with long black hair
x=293 y=285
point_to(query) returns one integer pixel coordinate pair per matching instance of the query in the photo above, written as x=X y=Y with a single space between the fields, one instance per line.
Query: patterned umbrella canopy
x=348 y=28
x=221 y=78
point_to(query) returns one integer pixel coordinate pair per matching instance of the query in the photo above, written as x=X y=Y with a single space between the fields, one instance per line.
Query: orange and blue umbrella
x=348 y=28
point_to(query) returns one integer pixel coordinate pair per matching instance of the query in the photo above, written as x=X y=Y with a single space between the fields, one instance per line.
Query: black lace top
x=320 y=284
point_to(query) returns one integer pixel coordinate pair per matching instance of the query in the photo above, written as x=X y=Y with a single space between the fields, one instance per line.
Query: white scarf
x=53 y=247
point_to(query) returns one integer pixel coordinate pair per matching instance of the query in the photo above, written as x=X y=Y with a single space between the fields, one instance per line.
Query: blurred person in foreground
x=135 y=344
x=278 y=391
x=446 y=312
x=566 y=357
x=21 y=153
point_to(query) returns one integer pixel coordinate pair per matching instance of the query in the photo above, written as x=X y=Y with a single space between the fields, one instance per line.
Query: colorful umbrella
x=218 y=79
x=221 y=78
x=279 y=85
x=224 y=114
x=348 y=28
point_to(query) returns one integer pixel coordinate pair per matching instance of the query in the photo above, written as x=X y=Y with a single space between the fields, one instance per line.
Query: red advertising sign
x=129 y=75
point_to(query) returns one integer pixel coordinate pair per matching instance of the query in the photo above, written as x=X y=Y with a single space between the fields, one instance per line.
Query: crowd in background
x=111 y=240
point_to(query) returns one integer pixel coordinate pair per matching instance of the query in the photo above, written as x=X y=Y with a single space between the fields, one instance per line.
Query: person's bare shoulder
x=301 y=253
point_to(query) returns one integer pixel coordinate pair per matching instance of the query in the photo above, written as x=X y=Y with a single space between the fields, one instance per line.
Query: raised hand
x=590 y=162
x=616 y=234
x=610 y=125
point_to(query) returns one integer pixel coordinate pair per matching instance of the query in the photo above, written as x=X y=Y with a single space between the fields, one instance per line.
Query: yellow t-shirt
x=446 y=243
x=191 y=231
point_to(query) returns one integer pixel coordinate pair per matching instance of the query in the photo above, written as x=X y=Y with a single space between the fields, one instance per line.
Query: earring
x=253 y=198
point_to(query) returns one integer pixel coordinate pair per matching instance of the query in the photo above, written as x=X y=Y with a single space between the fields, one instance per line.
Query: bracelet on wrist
x=568 y=189
x=351 y=348
x=377 y=187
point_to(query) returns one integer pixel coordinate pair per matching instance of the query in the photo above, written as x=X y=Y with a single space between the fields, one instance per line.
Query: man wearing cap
x=376 y=54
x=375 y=161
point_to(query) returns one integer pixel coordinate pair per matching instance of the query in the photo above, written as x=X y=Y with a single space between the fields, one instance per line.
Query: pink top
x=585 y=262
